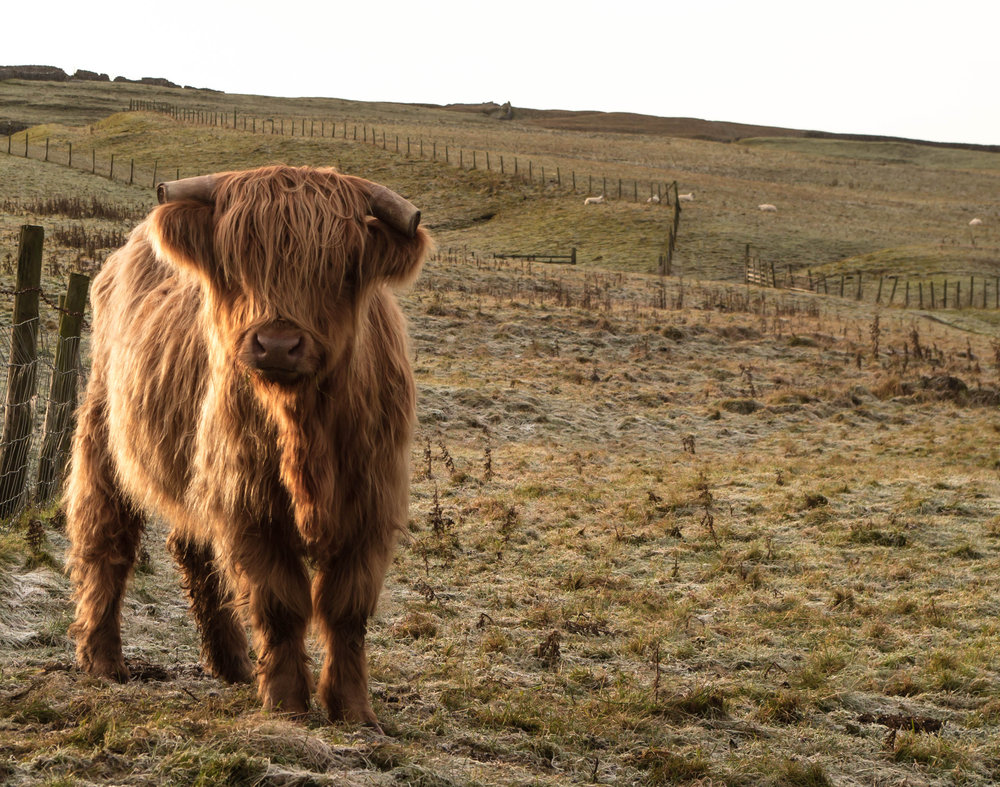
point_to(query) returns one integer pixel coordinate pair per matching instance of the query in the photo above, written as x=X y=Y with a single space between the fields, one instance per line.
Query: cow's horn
x=199 y=188
x=394 y=210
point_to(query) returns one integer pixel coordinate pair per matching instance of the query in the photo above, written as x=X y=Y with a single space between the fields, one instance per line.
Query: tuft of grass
x=705 y=701
x=666 y=767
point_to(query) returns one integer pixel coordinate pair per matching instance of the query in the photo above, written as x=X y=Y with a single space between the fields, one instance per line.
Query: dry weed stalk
x=429 y=463
x=487 y=463
x=440 y=524
x=549 y=651
x=707 y=502
x=746 y=375
x=507 y=527
x=446 y=457
x=656 y=671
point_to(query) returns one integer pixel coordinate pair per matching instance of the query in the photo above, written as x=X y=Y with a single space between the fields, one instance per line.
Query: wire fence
x=928 y=292
x=124 y=168
x=39 y=382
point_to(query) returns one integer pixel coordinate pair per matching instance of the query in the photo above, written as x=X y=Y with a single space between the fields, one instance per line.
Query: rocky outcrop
x=46 y=73
x=158 y=81
x=54 y=74
x=90 y=76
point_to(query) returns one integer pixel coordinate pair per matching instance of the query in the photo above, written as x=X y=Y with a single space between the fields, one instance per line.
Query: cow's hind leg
x=104 y=532
x=223 y=640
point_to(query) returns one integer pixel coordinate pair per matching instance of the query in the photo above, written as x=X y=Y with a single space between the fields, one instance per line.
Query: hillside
x=569 y=120
x=838 y=200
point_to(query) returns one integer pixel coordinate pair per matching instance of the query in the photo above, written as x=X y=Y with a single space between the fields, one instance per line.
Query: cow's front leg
x=345 y=593
x=277 y=587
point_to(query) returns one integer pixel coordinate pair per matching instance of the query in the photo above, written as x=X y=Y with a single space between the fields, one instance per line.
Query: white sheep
x=594 y=200
x=767 y=208
x=689 y=197
x=975 y=222
x=654 y=199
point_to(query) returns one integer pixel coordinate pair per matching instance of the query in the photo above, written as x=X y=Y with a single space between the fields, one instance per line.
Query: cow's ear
x=182 y=233
x=393 y=257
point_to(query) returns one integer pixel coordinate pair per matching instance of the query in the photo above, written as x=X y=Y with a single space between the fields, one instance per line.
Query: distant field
x=903 y=204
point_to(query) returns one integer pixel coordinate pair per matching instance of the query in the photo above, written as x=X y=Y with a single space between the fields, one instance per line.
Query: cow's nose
x=278 y=347
x=279 y=351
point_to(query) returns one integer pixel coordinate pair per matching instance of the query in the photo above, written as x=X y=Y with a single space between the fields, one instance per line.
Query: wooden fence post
x=21 y=372
x=58 y=426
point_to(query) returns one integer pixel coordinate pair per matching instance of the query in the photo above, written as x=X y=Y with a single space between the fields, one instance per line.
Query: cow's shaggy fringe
x=260 y=480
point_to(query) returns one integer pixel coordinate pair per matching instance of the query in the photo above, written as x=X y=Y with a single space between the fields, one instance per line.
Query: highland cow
x=251 y=386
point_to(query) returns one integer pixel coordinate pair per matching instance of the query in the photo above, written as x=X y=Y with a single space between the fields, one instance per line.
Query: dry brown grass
x=610 y=605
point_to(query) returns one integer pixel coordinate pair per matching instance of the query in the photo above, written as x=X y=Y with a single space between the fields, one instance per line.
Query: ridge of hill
x=691 y=128
x=559 y=119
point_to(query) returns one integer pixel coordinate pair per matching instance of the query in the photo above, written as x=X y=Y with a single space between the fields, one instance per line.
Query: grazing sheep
x=594 y=200
x=689 y=197
x=767 y=208
x=251 y=386
x=654 y=199
x=975 y=222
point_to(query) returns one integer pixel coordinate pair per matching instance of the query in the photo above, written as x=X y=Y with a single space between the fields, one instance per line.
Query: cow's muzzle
x=279 y=352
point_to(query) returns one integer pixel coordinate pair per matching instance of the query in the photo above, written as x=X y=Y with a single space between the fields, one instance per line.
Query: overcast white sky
x=909 y=68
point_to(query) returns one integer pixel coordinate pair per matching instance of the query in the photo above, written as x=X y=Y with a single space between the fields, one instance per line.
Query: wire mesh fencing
x=39 y=382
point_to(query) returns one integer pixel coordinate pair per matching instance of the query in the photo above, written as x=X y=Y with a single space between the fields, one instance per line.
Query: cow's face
x=288 y=259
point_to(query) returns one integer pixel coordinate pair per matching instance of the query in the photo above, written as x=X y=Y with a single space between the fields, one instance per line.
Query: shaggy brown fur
x=284 y=490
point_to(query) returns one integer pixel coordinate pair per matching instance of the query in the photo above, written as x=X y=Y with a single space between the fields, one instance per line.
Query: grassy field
x=663 y=530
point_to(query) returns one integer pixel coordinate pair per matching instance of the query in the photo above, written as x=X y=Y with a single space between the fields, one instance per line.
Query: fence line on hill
x=981 y=292
x=624 y=189
x=129 y=169
x=112 y=166
x=39 y=384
